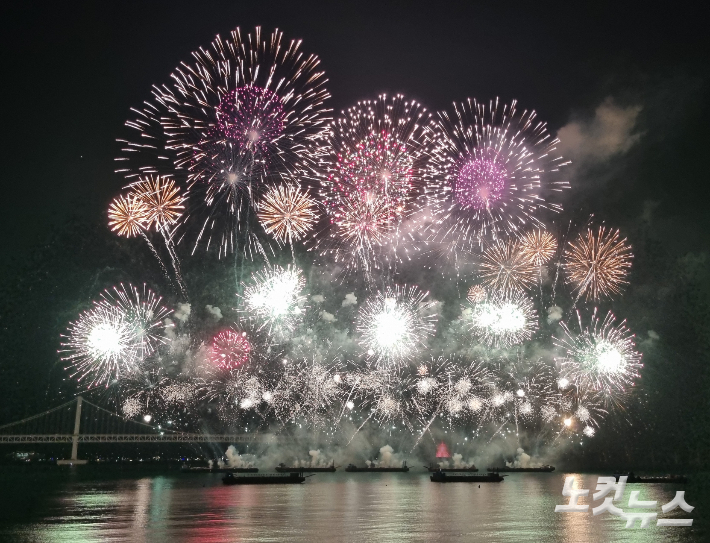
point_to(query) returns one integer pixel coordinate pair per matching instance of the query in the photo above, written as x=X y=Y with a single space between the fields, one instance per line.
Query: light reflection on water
x=186 y=508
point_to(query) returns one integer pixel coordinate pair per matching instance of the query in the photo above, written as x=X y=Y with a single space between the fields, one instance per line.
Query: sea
x=99 y=503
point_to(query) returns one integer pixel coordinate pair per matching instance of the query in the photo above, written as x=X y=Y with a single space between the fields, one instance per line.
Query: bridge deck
x=143 y=438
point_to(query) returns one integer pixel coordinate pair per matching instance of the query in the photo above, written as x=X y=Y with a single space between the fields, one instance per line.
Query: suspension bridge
x=80 y=421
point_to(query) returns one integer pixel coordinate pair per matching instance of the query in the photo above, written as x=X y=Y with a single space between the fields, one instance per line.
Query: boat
x=374 y=469
x=541 y=469
x=632 y=478
x=265 y=479
x=206 y=469
x=432 y=468
x=283 y=468
x=442 y=477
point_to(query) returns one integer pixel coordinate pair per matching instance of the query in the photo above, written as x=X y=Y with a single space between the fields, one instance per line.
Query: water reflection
x=329 y=507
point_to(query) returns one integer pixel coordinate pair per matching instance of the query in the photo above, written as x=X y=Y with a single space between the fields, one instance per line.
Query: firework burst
x=310 y=391
x=127 y=216
x=494 y=169
x=524 y=390
x=230 y=349
x=275 y=297
x=538 y=246
x=161 y=199
x=503 y=320
x=123 y=328
x=395 y=324
x=476 y=294
x=597 y=264
x=505 y=267
x=371 y=170
x=601 y=357
x=242 y=114
x=287 y=213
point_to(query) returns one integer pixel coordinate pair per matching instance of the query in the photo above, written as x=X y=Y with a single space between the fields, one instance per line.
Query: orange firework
x=597 y=264
x=504 y=267
x=127 y=216
x=287 y=213
x=538 y=246
x=162 y=200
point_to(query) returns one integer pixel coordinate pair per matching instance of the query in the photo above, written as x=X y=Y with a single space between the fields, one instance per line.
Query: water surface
x=172 y=507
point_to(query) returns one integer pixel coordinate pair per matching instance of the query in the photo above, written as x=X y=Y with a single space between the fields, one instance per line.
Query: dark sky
x=72 y=70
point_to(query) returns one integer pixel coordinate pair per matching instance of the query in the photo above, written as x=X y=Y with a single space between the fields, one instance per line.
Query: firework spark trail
x=597 y=264
x=129 y=216
x=163 y=206
x=152 y=248
x=492 y=170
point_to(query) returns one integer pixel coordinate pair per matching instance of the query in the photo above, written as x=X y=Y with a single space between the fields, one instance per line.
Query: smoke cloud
x=214 y=312
x=182 y=313
x=609 y=133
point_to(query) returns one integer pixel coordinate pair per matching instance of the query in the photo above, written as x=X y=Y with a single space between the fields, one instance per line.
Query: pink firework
x=373 y=163
x=494 y=167
x=378 y=166
x=480 y=180
x=230 y=349
x=235 y=120
x=252 y=117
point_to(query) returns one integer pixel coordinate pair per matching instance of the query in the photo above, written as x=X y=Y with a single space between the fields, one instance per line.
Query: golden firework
x=476 y=294
x=597 y=264
x=538 y=246
x=162 y=200
x=287 y=213
x=127 y=216
x=505 y=268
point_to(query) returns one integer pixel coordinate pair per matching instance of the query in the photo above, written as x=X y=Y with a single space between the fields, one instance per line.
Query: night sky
x=627 y=85
x=73 y=70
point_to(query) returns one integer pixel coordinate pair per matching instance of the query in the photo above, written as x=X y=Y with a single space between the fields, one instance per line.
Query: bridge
x=94 y=424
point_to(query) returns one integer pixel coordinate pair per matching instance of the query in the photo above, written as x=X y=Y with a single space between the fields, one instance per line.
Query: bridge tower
x=74 y=460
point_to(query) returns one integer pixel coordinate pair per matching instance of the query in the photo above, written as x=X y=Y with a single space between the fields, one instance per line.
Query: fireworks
x=310 y=391
x=449 y=387
x=395 y=324
x=238 y=153
x=493 y=169
x=161 y=200
x=476 y=293
x=505 y=267
x=121 y=330
x=127 y=216
x=503 y=320
x=601 y=357
x=372 y=168
x=274 y=296
x=241 y=114
x=230 y=349
x=597 y=265
x=524 y=390
x=287 y=213
x=538 y=246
